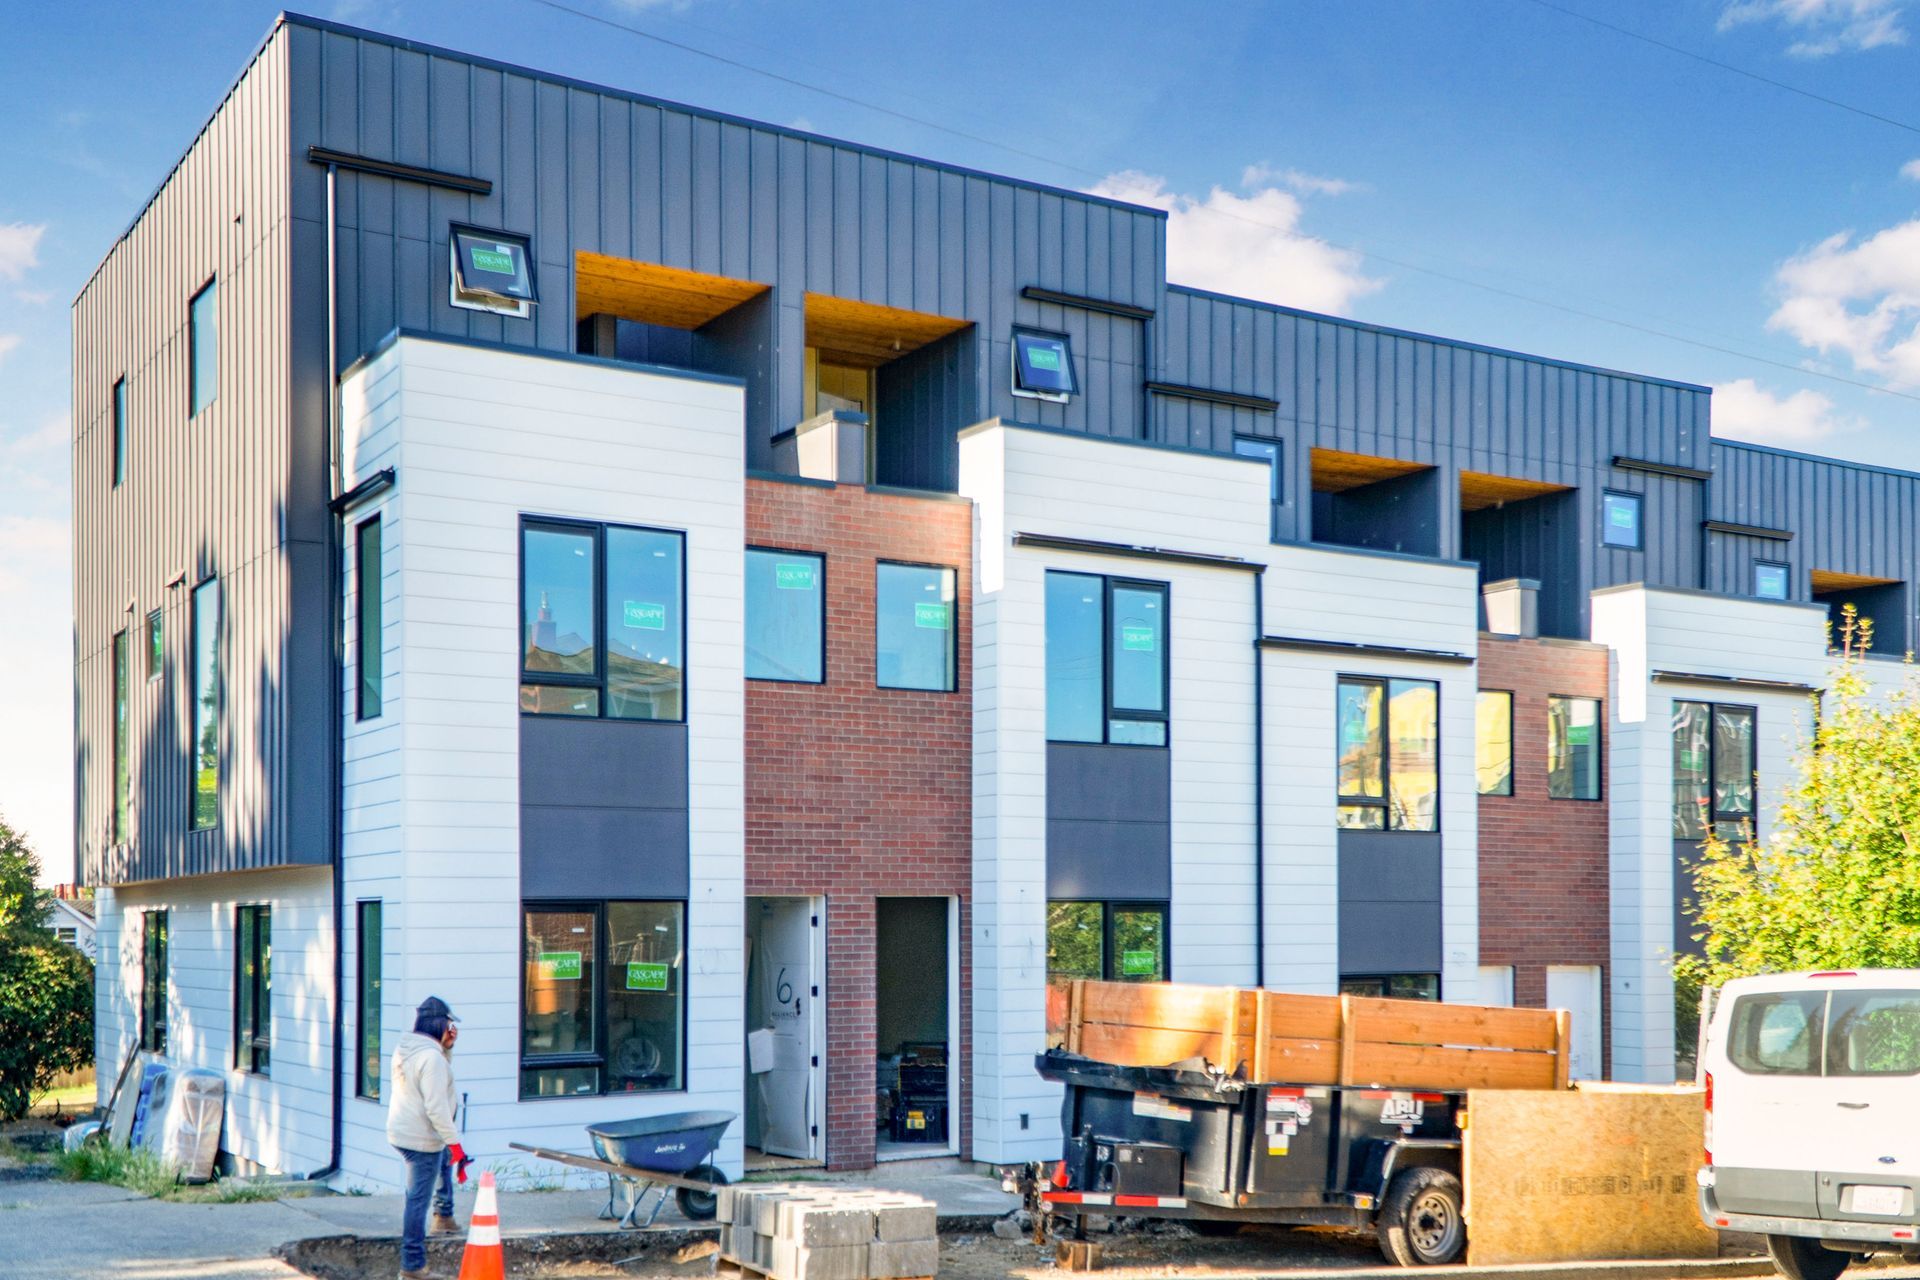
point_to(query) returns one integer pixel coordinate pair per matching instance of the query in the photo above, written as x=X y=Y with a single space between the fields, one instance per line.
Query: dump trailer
x=1222 y=1106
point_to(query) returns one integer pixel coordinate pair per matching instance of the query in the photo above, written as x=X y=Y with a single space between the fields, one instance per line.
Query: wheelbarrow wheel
x=701 y=1205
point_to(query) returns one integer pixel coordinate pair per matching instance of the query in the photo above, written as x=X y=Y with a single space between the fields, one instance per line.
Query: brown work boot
x=442 y=1224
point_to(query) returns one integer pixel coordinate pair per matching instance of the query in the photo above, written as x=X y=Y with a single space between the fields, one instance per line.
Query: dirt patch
x=641 y=1255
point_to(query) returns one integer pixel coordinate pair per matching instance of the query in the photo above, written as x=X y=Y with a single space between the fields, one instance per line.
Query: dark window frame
x=1599 y=745
x=154 y=960
x=1109 y=713
x=367 y=1083
x=1639 y=501
x=820 y=556
x=598 y=679
x=120 y=429
x=369 y=689
x=1384 y=979
x=953 y=630
x=1110 y=907
x=1276 y=475
x=1508 y=694
x=1714 y=817
x=156 y=645
x=253 y=1041
x=597 y=907
x=525 y=240
x=194 y=699
x=121 y=662
x=195 y=406
x=1384 y=801
x=1066 y=349
x=1786 y=579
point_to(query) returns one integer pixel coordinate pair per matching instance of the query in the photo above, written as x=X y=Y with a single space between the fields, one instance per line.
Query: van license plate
x=1878 y=1199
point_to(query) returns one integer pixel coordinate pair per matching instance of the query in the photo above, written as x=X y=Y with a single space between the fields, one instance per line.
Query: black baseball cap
x=435 y=1007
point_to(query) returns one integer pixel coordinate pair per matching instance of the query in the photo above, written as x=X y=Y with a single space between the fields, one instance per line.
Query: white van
x=1813 y=1116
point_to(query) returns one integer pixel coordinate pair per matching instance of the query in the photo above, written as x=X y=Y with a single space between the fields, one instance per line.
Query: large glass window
x=122 y=766
x=1267 y=451
x=914 y=615
x=368 y=583
x=1393 y=986
x=575 y=577
x=1713 y=770
x=369 y=1073
x=1117 y=941
x=1573 y=748
x=1389 y=764
x=119 y=431
x=203 y=344
x=253 y=983
x=1493 y=742
x=786 y=616
x=153 y=981
x=1620 y=520
x=604 y=998
x=156 y=646
x=1106 y=660
x=205 y=798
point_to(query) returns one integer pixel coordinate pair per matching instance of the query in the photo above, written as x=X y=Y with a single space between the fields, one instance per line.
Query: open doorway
x=785 y=1031
x=916 y=1032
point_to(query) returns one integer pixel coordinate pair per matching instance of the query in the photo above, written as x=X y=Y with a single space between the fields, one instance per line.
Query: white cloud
x=1745 y=410
x=1911 y=170
x=1306 y=184
x=1860 y=298
x=19 y=248
x=1823 y=27
x=8 y=341
x=1249 y=245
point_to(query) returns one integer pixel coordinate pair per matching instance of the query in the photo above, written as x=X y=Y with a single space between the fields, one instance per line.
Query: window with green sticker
x=603 y=621
x=603 y=999
x=786 y=615
x=1573 y=748
x=1114 y=941
x=1107 y=660
x=915 y=644
x=1388 y=735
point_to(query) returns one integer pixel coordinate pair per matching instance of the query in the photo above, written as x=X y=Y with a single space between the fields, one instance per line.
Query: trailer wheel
x=701 y=1205
x=1421 y=1225
x=1797 y=1258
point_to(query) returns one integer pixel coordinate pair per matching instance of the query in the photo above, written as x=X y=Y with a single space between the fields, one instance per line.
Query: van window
x=1778 y=1034
x=1874 y=1033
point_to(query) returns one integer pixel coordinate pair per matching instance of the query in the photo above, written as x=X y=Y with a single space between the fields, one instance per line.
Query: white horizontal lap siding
x=484 y=436
x=1358 y=597
x=116 y=990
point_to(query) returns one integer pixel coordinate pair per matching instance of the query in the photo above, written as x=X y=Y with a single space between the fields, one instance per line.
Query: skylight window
x=1042 y=366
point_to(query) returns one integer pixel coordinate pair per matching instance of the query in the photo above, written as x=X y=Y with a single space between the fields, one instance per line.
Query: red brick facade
x=1543 y=862
x=856 y=792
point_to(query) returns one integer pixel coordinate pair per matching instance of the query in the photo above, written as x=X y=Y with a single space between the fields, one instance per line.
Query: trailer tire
x=1421 y=1224
x=701 y=1205
x=1798 y=1258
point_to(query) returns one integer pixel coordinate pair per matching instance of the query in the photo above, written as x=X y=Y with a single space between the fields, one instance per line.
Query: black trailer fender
x=1386 y=1157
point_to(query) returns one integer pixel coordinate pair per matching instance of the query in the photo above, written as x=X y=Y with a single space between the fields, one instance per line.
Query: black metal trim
x=1236 y=399
x=399 y=172
x=1747 y=530
x=1732 y=682
x=1080 y=302
x=1302 y=644
x=379 y=482
x=1626 y=463
x=1090 y=546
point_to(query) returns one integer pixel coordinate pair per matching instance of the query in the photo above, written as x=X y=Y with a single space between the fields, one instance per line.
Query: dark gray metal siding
x=1109 y=822
x=603 y=808
x=1389 y=902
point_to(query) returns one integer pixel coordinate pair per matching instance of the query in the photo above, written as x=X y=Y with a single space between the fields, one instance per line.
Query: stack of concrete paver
x=815 y=1231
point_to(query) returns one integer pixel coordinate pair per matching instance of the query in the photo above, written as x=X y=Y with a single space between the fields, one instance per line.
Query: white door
x=1496 y=986
x=783 y=1006
x=1576 y=988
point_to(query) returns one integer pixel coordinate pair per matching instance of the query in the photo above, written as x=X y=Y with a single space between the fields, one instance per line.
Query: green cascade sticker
x=558 y=966
x=1137 y=637
x=494 y=260
x=794 y=577
x=1139 y=964
x=645 y=976
x=645 y=615
x=927 y=613
x=1622 y=515
x=1047 y=358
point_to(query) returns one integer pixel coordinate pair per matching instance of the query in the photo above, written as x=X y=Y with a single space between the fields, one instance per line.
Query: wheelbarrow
x=653 y=1153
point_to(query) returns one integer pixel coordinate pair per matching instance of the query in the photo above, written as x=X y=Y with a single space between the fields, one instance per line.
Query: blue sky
x=1446 y=166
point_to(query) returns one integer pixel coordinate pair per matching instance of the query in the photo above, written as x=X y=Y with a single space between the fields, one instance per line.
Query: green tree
x=46 y=987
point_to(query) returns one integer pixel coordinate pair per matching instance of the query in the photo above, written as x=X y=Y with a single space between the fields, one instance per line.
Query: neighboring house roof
x=65 y=911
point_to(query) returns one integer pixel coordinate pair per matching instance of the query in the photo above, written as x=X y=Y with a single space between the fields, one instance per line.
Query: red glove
x=461 y=1160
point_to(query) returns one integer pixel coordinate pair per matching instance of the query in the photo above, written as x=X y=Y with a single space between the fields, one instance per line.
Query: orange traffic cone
x=484 y=1258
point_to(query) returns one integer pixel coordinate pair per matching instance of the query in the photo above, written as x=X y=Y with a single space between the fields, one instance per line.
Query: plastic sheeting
x=187 y=1137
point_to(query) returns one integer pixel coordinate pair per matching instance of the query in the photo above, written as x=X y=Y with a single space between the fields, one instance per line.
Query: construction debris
x=806 y=1231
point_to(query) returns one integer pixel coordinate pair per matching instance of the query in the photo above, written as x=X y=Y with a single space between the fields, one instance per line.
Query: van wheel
x=1420 y=1223
x=1798 y=1258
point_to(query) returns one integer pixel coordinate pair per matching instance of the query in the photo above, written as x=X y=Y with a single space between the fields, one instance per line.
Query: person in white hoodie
x=420 y=1126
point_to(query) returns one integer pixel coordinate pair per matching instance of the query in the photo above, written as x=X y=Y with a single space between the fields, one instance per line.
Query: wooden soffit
x=1479 y=490
x=655 y=294
x=867 y=335
x=1336 y=472
x=1825 y=580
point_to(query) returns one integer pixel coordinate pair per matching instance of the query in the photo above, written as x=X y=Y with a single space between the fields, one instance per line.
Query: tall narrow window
x=122 y=767
x=253 y=990
x=786 y=616
x=156 y=646
x=645 y=675
x=1106 y=660
x=1493 y=742
x=1267 y=451
x=1733 y=770
x=203 y=344
x=1076 y=670
x=1388 y=736
x=205 y=797
x=371 y=943
x=153 y=981
x=1714 y=772
x=1573 y=748
x=119 y=431
x=1692 y=769
x=368 y=583
x=913 y=623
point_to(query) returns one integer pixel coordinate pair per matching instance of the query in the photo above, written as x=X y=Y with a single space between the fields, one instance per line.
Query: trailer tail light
x=1706 y=1137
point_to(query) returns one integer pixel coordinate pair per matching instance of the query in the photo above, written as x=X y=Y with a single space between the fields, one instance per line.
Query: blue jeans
x=429 y=1177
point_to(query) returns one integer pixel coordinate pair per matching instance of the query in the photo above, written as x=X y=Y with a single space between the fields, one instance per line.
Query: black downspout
x=1259 y=788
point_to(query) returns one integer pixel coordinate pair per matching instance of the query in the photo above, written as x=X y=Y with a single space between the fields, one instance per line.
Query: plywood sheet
x=655 y=294
x=1824 y=580
x=1335 y=471
x=1589 y=1173
x=1480 y=490
x=865 y=335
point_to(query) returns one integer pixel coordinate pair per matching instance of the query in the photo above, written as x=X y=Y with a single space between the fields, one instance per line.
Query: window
x=492 y=271
x=1713 y=770
x=1770 y=580
x=153 y=981
x=1389 y=764
x=1573 y=748
x=1267 y=451
x=1392 y=986
x=253 y=990
x=1116 y=941
x=913 y=627
x=574 y=576
x=786 y=616
x=156 y=646
x=122 y=768
x=1873 y=1033
x=204 y=803
x=119 y=431
x=1830 y=1033
x=1620 y=520
x=367 y=1082
x=1493 y=742
x=1042 y=366
x=1106 y=660
x=203 y=346
x=368 y=583
x=67 y=933
x=603 y=998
